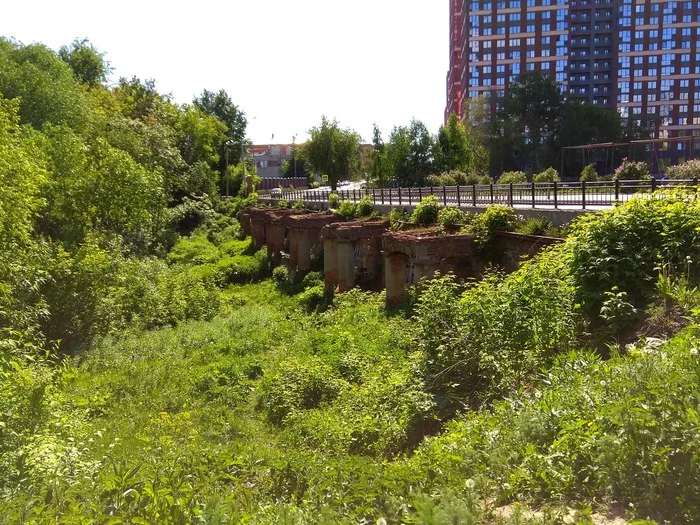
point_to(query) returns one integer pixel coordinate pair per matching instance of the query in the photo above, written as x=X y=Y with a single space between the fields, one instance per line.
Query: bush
x=589 y=174
x=514 y=177
x=629 y=170
x=426 y=211
x=333 y=200
x=284 y=204
x=299 y=205
x=348 y=210
x=484 y=340
x=548 y=175
x=364 y=207
x=535 y=226
x=625 y=247
x=685 y=171
x=396 y=217
x=475 y=178
x=451 y=217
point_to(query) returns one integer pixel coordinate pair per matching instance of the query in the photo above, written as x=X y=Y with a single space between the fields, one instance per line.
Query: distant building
x=639 y=57
x=269 y=157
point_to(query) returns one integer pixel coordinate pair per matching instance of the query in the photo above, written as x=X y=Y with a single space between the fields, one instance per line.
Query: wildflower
x=470 y=483
x=381 y=521
x=693 y=351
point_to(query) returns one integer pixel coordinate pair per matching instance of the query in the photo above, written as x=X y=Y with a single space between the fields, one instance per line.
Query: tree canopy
x=333 y=151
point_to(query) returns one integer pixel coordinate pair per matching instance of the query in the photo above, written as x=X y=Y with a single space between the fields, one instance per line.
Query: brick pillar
x=305 y=242
x=330 y=263
x=293 y=238
x=395 y=278
x=257 y=232
x=421 y=271
x=346 y=266
x=245 y=223
x=274 y=238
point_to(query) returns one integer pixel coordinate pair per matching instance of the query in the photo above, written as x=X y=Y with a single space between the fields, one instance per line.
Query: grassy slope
x=174 y=426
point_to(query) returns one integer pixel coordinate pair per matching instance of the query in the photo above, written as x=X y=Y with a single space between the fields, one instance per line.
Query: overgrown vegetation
x=150 y=373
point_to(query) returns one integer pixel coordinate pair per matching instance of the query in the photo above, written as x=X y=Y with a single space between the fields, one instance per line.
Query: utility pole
x=294 y=155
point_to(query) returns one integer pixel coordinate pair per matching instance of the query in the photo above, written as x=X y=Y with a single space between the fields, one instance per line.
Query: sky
x=285 y=63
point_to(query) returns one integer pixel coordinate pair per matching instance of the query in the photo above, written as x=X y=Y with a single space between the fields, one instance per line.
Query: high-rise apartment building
x=640 y=57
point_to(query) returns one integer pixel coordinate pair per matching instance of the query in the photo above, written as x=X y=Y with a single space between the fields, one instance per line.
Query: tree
x=534 y=104
x=333 y=151
x=45 y=85
x=221 y=106
x=379 y=172
x=452 y=151
x=88 y=64
x=410 y=154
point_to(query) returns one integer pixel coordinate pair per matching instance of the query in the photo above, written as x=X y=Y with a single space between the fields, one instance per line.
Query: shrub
x=514 y=177
x=347 y=209
x=298 y=384
x=481 y=341
x=624 y=247
x=333 y=200
x=548 y=175
x=497 y=218
x=299 y=205
x=284 y=204
x=629 y=170
x=685 y=171
x=364 y=207
x=475 y=178
x=534 y=226
x=280 y=275
x=450 y=217
x=426 y=211
x=396 y=217
x=313 y=297
x=589 y=173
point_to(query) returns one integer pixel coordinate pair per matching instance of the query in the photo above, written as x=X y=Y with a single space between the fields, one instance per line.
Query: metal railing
x=558 y=195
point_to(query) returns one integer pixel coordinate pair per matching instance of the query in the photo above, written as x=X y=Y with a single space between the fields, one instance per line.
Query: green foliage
x=535 y=226
x=626 y=246
x=452 y=147
x=685 y=171
x=333 y=200
x=44 y=84
x=629 y=170
x=478 y=343
x=88 y=64
x=496 y=218
x=426 y=212
x=396 y=217
x=548 y=175
x=299 y=205
x=284 y=204
x=451 y=217
x=332 y=151
x=589 y=174
x=514 y=177
x=348 y=210
x=365 y=207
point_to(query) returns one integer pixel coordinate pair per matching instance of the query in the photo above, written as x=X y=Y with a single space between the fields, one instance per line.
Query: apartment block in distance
x=639 y=57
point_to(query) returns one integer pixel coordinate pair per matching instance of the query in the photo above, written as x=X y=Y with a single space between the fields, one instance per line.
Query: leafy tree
x=221 y=106
x=333 y=151
x=410 y=154
x=88 y=64
x=534 y=104
x=139 y=100
x=200 y=136
x=452 y=151
x=589 y=174
x=379 y=172
x=45 y=85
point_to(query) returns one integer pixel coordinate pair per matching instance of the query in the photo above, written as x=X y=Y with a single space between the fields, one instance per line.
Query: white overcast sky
x=284 y=62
